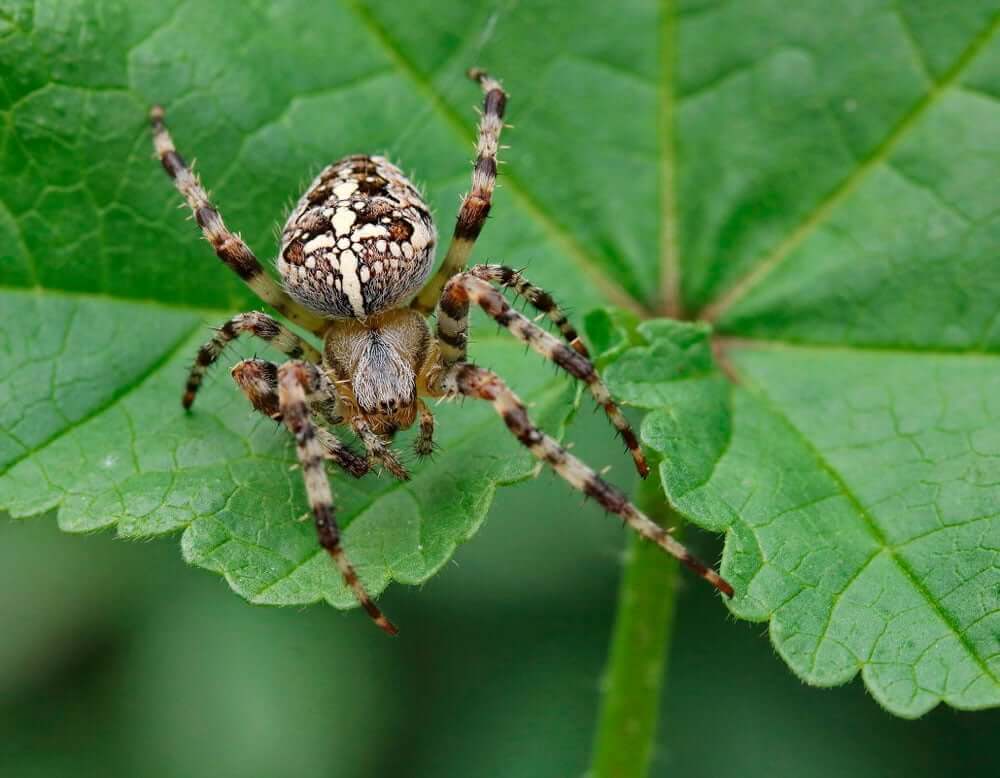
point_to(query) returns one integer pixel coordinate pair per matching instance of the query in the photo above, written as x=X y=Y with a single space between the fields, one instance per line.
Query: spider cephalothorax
x=355 y=260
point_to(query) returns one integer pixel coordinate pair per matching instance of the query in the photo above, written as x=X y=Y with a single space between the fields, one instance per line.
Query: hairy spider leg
x=295 y=380
x=229 y=247
x=476 y=204
x=424 y=444
x=541 y=300
x=378 y=449
x=471 y=380
x=258 y=380
x=452 y=328
x=259 y=325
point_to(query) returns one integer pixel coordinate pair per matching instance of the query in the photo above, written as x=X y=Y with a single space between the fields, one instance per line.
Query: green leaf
x=859 y=495
x=818 y=187
x=849 y=446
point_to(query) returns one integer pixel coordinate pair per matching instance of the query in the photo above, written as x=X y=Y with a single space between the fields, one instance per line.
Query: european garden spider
x=357 y=247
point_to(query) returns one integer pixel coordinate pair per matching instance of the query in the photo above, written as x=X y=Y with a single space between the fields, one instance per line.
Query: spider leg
x=473 y=381
x=258 y=324
x=538 y=297
x=294 y=382
x=424 y=444
x=258 y=380
x=476 y=204
x=452 y=332
x=378 y=450
x=229 y=247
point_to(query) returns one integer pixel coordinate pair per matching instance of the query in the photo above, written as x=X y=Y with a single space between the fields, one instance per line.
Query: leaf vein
x=114 y=398
x=879 y=536
x=670 y=269
x=764 y=266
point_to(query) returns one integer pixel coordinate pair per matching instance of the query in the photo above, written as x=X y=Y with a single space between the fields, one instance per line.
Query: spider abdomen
x=360 y=240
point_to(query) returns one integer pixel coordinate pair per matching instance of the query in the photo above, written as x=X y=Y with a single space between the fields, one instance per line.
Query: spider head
x=376 y=364
x=385 y=386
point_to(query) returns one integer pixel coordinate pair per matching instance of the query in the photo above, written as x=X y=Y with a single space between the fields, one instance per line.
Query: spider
x=355 y=261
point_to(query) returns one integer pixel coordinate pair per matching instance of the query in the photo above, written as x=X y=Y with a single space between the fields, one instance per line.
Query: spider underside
x=355 y=261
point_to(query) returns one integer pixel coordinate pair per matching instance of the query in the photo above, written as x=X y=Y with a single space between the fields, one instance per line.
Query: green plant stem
x=626 y=727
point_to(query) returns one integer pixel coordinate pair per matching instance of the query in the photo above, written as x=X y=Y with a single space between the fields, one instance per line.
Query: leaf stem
x=626 y=728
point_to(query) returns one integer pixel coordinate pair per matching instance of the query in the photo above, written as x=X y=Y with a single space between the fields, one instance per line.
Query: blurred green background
x=116 y=659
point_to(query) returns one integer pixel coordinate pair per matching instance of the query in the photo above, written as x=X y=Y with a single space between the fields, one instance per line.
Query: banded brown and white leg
x=452 y=331
x=293 y=384
x=229 y=247
x=424 y=444
x=378 y=450
x=258 y=380
x=472 y=381
x=476 y=204
x=254 y=323
x=538 y=297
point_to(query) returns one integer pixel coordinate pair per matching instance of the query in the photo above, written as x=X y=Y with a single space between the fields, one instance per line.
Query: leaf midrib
x=671 y=304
